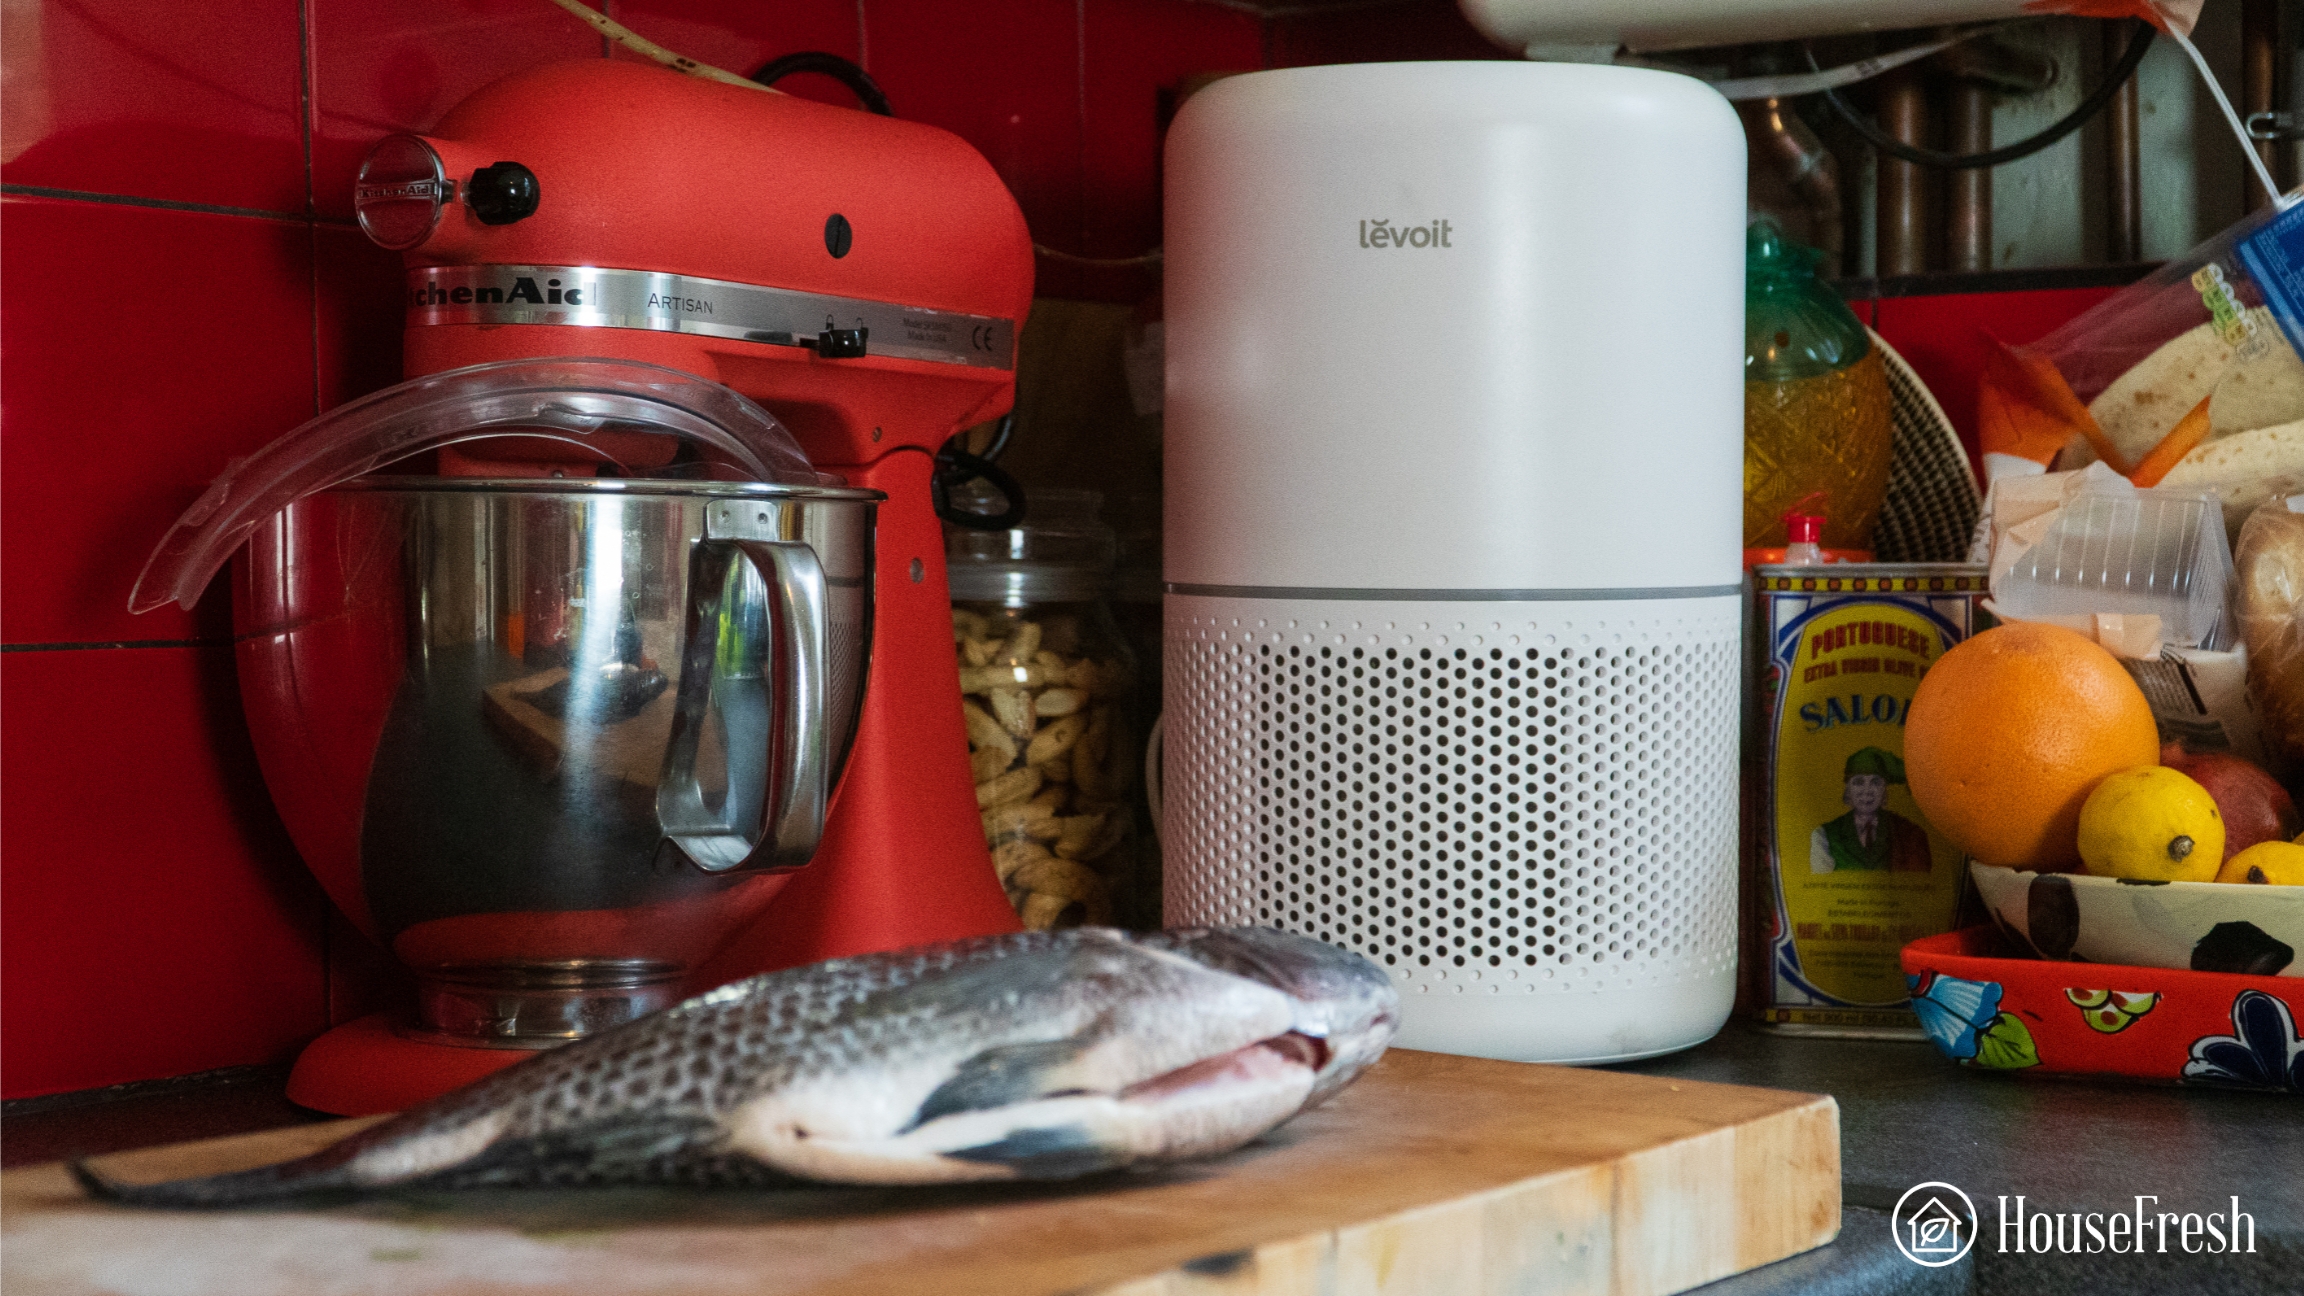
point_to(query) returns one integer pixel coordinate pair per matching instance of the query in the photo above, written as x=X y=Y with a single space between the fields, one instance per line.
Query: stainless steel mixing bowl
x=553 y=741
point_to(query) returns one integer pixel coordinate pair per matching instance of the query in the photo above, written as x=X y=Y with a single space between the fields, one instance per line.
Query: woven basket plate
x=1930 y=511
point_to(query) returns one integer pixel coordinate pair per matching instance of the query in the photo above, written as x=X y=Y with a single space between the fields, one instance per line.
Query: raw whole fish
x=1040 y=1055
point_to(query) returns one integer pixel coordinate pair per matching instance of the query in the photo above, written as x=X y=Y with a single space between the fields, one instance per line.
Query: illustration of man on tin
x=1870 y=835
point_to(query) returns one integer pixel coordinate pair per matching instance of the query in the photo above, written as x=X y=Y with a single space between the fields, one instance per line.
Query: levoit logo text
x=1384 y=234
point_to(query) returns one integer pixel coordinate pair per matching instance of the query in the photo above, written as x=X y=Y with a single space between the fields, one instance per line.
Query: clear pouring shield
x=573 y=400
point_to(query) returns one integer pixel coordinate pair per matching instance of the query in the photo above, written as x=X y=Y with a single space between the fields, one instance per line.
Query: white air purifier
x=1454 y=508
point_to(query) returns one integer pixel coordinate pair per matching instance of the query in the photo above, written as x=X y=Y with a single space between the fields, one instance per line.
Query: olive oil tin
x=1840 y=868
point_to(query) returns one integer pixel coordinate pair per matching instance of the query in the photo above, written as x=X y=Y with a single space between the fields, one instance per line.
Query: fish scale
x=1033 y=1055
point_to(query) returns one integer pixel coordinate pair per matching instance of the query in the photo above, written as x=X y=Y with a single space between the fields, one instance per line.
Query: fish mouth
x=1256 y=1064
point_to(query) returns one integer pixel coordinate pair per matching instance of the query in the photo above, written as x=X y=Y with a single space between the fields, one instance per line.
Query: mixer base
x=365 y=1067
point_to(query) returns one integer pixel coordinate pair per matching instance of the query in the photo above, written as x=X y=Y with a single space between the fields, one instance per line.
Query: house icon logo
x=1934 y=1224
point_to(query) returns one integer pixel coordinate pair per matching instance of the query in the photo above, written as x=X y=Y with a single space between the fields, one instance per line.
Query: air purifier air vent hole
x=1551 y=813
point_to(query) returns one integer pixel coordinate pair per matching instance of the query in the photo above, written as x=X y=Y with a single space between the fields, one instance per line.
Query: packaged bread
x=2236 y=390
x=2269 y=576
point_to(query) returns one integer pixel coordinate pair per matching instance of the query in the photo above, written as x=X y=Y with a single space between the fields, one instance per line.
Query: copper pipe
x=2259 y=83
x=2124 y=199
x=1902 y=219
x=1968 y=213
x=1790 y=166
x=1991 y=61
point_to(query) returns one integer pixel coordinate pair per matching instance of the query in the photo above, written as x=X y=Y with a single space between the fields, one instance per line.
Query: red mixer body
x=734 y=234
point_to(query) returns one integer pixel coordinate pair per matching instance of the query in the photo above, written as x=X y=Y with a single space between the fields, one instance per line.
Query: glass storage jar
x=1046 y=682
x=1815 y=400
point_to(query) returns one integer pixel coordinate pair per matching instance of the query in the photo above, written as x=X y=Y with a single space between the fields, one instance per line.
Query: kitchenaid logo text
x=523 y=289
x=410 y=189
x=1383 y=234
x=2043 y=1232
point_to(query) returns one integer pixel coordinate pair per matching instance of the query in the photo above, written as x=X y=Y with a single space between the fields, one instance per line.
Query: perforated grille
x=1501 y=798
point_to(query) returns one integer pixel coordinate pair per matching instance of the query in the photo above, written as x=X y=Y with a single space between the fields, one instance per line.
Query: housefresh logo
x=2122 y=1233
x=1934 y=1223
x=1383 y=234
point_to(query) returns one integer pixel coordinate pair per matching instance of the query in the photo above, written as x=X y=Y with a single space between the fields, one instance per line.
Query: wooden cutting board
x=1434 y=1174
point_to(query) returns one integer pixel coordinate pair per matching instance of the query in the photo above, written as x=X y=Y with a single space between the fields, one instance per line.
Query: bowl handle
x=780 y=731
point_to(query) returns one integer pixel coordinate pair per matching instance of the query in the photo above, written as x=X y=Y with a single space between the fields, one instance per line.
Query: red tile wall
x=180 y=282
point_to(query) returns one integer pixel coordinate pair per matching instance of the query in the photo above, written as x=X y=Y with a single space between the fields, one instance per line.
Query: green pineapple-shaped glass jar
x=1815 y=399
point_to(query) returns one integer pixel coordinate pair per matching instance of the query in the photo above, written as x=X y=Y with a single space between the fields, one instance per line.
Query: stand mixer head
x=862 y=277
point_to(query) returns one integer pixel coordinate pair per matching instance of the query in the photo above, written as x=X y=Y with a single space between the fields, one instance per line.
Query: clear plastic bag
x=2192 y=377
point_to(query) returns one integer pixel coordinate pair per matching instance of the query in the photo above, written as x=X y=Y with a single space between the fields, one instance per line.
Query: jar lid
x=1063 y=553
x=1795 y=325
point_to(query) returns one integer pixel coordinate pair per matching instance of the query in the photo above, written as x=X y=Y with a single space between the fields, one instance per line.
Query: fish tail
x=290 y=1179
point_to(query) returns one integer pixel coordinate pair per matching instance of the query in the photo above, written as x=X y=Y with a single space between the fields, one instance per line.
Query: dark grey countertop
x=1908 y=1116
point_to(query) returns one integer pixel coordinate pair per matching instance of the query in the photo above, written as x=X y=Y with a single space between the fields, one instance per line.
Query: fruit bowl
x=2195 y=926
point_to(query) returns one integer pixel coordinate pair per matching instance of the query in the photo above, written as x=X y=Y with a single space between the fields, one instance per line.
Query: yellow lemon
x=2275 y=862
x=2153 y=824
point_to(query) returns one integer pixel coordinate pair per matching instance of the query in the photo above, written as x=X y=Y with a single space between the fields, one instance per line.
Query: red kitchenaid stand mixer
x=862 y=278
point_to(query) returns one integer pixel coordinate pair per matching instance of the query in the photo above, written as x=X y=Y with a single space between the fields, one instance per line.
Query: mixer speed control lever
x=839 y=343
x=503 y=193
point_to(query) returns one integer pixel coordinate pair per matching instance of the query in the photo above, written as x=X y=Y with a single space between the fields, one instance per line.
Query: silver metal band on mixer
x=599 y=297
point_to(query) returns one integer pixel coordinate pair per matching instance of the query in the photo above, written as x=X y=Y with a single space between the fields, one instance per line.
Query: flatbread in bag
x=2245 y=470
x=2260 y=385
x=2259 y=391
x=2143 y=405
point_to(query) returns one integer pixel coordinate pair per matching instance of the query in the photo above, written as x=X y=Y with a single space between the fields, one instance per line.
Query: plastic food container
x=2133 y=553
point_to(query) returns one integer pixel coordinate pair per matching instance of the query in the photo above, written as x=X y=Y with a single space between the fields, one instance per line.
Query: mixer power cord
x=847 y=73
x=956 y=467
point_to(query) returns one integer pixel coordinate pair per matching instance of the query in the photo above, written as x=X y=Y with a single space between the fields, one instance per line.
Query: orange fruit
x=2010 y=731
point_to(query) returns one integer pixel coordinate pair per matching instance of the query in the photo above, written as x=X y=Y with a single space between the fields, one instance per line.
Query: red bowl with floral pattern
x=1983 y=1008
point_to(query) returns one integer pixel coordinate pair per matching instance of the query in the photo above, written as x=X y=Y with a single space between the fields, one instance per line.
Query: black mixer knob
x=503 y=193
x=841 y=343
